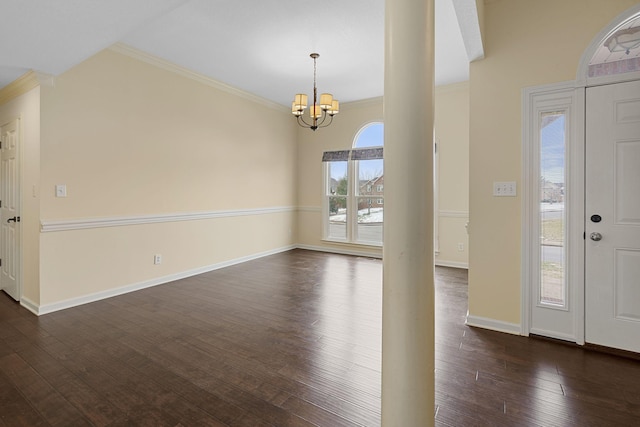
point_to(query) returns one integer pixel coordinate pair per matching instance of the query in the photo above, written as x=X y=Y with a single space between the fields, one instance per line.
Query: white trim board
x=452 y=264
x=85 y=223
x=97 y=296
x=493 y=325
x=347 y=251
x=341 y=251
x=29 y=305
x=40 y=310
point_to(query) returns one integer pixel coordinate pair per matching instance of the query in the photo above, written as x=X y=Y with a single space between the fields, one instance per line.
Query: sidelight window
x=552 y=212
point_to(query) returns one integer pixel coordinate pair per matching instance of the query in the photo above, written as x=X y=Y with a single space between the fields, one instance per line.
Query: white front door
x=612 y=203
x=9 y=215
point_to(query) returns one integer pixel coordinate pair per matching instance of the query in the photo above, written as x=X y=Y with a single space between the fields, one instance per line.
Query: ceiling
x=259 y=46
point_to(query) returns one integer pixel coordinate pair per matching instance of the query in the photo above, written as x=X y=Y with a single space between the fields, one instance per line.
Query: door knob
x=596 y=237
x=14 y=219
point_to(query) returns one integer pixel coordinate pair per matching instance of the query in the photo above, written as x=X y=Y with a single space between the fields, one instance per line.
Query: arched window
x=354 y=189
x=619 y=52
x=371 y=135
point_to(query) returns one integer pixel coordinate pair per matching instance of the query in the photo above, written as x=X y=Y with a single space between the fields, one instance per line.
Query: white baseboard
x=73 y=302
x=453 y=264
x=494 y=325
x=347 y=251
x=342 y=251
x=29 y=305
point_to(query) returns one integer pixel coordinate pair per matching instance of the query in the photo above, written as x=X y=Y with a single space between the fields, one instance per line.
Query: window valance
x=369 y=153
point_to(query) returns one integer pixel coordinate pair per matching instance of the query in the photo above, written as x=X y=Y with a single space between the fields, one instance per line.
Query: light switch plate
x=504 y=189
x=61 y=190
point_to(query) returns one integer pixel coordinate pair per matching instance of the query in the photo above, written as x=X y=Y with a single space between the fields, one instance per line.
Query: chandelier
x=327 y=107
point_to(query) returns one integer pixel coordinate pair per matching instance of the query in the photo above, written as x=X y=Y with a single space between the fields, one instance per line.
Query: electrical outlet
x=461 y=247
x=157 y=259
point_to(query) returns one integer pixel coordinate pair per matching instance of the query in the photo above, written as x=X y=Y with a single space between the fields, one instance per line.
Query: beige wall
x=26 y=107
x=452 y=130
x=526 y=43
x=130 y=139
x=452 y=134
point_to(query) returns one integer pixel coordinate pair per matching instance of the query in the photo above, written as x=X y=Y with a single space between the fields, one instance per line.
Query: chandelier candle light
x=319 y=111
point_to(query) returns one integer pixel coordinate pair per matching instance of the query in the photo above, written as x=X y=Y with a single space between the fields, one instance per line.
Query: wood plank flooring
x=287 y=340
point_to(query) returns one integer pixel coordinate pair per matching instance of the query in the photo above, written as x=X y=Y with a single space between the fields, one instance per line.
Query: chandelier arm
x=304 y=124
x=330 y=121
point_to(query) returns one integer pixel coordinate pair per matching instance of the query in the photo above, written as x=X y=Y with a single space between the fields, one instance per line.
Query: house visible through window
x=354 y=183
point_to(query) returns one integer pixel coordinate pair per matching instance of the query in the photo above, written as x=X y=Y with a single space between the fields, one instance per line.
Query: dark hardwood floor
x=287 y=340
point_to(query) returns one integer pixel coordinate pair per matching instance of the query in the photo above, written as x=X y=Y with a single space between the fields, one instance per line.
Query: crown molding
x=19 y=86
x=134 y=53
x=371 y=102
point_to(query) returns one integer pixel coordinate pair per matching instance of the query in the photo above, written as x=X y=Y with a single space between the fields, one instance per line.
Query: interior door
x=9 y=202
x=612 y=203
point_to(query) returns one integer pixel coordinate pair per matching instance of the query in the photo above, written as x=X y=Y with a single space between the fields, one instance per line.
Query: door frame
x=575 y=204
x=563 y=322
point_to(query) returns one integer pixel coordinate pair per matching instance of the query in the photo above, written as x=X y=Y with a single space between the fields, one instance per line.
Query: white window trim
x=325 y=205
x=352 y=198
x=352 y=204
x=436 y=195
x=567 y=322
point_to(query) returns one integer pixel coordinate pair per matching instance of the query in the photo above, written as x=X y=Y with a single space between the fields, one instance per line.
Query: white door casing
x=561 y=320
x=9 y=212
x=612 y=264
